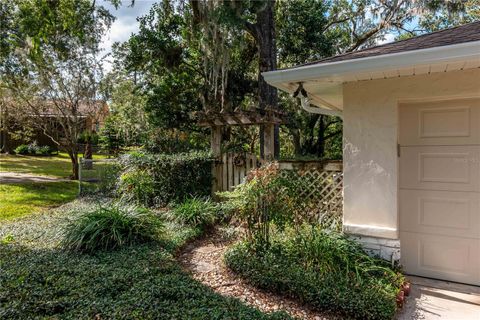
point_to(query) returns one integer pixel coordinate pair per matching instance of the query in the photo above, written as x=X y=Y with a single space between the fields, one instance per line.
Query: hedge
x=165 y=178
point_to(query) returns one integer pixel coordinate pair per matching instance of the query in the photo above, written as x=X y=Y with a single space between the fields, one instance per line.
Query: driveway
x=14 y=177
x=435 y=299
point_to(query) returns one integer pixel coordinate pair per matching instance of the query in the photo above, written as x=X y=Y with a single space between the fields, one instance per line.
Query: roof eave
x=449 y=53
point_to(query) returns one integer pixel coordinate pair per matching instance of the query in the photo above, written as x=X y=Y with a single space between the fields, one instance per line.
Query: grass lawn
x=39 y=280
x=56 y=165
x=17 y=200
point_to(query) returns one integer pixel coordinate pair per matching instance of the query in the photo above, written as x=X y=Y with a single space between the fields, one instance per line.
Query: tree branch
x=334 y=22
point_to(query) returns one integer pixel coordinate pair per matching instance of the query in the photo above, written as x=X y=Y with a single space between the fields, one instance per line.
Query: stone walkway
x=14 y=177
x=204 y=260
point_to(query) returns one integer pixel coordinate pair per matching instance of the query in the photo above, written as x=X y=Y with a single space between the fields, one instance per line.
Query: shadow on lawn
x=57 y=165
x=136 y=282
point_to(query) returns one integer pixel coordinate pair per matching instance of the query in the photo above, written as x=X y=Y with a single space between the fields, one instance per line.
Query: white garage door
x=440 y=189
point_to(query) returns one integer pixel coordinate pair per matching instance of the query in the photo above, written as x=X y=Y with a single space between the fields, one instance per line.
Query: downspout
x=305 y=103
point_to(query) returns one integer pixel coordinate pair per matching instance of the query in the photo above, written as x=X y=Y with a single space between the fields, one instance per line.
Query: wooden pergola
x=267 y=119
x=240 y=118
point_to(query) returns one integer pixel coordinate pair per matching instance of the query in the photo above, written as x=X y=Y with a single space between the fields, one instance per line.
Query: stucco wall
x=370 y=118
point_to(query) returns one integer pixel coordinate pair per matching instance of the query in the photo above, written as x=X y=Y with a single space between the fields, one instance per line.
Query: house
x=411 y=114
x=90 y=115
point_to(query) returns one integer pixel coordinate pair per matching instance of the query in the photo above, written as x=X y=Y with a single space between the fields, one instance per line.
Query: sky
x=125 y=23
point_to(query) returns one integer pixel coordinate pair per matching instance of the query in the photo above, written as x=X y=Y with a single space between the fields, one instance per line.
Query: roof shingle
x=461 y=34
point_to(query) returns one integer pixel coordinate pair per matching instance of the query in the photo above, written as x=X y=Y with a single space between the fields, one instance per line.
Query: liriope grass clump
x=110 y=226
x=196 y=212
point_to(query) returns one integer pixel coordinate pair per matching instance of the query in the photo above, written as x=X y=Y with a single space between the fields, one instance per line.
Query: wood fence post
x=216 y=147
x=269 y=141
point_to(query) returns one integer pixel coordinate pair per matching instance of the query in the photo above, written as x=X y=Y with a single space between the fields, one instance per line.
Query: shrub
x=112 y=226
x=176 y=177
x=196 y=212
x=266 y=198
x=22 y=149
x=44 y=150
x=323 y=269
x=137 y=185
x=109 y=137
x=33 y=148
x=169 y=141
x=88 y=136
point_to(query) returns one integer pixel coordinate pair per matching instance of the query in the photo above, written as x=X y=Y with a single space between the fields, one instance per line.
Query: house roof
x=461 y=34
x=442 y=51
x=84 y=109
x=97 y=109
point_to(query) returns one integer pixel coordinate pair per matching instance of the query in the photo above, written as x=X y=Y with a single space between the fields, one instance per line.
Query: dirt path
x=204 y=259
x=14 y=177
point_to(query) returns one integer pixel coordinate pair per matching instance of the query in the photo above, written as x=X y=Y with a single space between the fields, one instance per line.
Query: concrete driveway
x=436 y=299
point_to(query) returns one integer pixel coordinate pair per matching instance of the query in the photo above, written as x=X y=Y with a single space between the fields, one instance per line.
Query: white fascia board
x=336 y=70
x=322 y=106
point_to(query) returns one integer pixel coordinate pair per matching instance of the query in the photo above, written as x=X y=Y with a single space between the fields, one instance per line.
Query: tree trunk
x=264 y=33
x=88 y=155
x=297 y=147
x=321 y=137
x=4 y=136
x=73 y=154
x=309 y=142
x=4 y=141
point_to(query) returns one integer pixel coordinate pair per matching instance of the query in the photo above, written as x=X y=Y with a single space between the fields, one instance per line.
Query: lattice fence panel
x=320 y=195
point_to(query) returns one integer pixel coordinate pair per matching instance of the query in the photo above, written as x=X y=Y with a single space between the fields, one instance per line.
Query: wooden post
x=216 y=147
x=269 y=142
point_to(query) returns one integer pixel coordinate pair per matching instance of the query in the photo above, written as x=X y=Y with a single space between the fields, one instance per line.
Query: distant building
x=92 y=117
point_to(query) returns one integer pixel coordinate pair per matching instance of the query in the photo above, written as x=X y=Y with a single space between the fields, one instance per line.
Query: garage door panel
x=440 y=212
x=439 y=196
x=453 y=168
x=441 y=123
x=451 y=258
x=444 y=122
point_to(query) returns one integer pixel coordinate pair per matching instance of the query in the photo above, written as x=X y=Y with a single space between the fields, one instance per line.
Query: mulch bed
x=204 y=260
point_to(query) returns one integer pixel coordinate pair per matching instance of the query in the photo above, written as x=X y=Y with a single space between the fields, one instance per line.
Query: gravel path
x=14 y=177
x=204 y=260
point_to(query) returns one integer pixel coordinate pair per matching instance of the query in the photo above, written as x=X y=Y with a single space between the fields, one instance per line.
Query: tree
x=164 y=67
x=181 y=66
x=109 y=137
x=303 y=38
x=127 y=110
x=344 y=26
x=441 y=14
x=49 y=65
x=353 y=24
x=258 y=19
x=209 y=55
